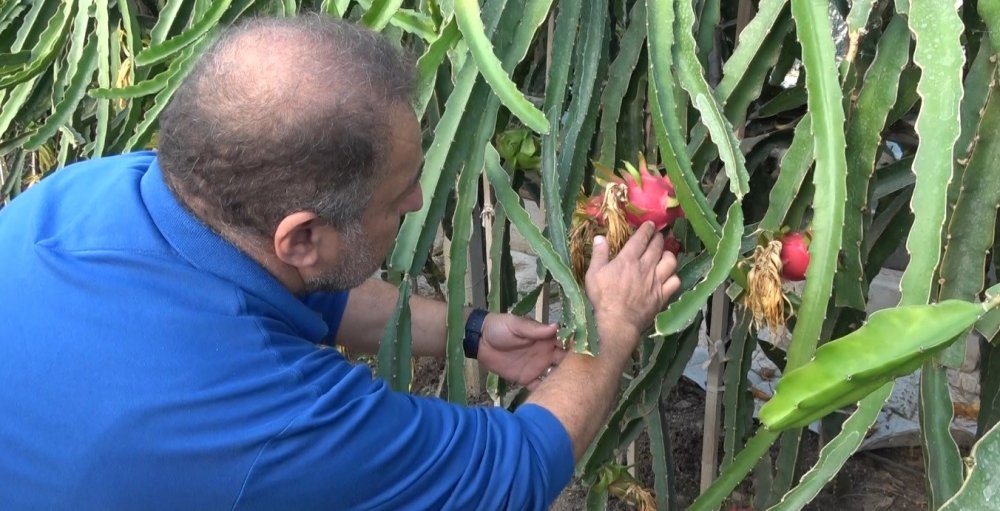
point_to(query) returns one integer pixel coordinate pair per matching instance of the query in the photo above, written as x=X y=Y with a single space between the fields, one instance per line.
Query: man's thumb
x=531 y=329
x=599 y=254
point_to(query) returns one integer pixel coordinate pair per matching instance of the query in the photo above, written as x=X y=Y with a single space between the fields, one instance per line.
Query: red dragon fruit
x=651 y=197
x=794 y=256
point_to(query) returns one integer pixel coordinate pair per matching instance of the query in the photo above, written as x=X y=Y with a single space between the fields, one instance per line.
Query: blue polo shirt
x=147 y=363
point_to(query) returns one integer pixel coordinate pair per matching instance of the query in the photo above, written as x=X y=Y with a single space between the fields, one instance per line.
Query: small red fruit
x=671 y=244
x=794 y=256
x=593 y=209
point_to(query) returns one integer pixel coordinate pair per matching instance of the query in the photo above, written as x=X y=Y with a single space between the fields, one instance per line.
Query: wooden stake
x=714 y=386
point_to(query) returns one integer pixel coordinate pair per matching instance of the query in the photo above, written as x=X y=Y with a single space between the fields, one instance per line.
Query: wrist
x=617 y=327
x=617 y=335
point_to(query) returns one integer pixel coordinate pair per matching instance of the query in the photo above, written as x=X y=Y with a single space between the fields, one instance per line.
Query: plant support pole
x=475 y=290
x=714 y=386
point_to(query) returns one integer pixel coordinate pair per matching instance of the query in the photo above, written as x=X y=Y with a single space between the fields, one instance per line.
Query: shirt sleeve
x=331 y=306
x=361 y=445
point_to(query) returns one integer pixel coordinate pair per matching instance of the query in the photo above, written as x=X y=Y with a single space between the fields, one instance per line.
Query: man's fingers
x=666 y=265
x=654 y=250
x=599 y=254
x=531 y=329
x=671 y=286
x=637 y=244
x=558 y=355
x=544 y=331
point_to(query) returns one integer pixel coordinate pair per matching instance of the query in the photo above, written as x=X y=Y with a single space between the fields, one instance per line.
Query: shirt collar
x=208 y=251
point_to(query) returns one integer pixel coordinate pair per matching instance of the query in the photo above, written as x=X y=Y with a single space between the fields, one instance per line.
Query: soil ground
x=886 y=479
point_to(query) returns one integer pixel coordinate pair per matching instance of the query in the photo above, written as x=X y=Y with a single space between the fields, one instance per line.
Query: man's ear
x=298 y=238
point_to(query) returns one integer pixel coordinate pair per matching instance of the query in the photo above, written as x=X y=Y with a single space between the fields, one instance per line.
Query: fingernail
x=599 y=240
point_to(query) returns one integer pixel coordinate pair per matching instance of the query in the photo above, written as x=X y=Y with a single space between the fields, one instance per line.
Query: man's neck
x=255 y=246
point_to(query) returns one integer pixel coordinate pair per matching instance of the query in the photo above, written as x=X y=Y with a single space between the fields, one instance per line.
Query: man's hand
x=627 y=292
x=631 y=289
x=519 y=349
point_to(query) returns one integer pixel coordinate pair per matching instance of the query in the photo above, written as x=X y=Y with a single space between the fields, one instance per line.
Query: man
x=161 y=345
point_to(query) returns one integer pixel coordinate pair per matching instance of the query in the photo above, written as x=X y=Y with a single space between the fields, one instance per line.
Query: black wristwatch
x=473 y=333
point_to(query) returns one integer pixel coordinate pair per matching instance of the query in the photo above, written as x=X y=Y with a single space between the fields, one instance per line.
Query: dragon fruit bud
x=592 y=209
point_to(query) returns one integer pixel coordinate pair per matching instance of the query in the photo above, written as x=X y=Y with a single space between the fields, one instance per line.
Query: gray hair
x=282 y=115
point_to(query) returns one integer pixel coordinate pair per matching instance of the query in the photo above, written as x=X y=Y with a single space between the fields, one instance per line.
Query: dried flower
x=580 y=241
x=764 y=296
x=613 y=210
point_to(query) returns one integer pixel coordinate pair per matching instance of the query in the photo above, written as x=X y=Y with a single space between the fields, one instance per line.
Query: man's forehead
x=405 y=128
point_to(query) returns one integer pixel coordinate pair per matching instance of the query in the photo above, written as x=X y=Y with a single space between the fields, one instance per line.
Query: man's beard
x=364 y=261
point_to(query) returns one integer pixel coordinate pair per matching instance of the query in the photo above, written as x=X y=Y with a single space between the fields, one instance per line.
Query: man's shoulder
x=106 y=168
x=91 y=180
x=90 y=205
x=137 y=159
x=88 y=183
